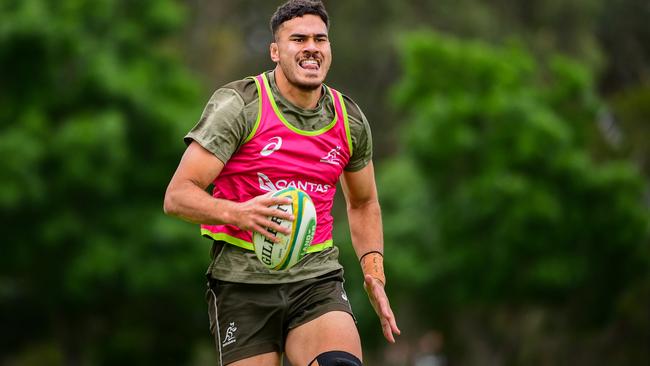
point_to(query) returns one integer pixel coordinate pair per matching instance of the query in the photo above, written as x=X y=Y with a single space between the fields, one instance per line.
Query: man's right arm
x=186 y=197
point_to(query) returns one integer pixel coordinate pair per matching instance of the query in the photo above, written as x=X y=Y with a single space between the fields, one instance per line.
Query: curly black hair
x=297 y=8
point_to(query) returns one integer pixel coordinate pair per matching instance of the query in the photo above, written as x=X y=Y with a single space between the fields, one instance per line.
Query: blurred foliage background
x=511 y=144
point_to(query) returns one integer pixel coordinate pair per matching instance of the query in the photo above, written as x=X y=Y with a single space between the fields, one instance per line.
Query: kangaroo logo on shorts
x=230 y=335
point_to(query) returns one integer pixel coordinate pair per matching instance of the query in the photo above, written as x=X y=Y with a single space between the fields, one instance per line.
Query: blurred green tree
x=500 y=214
x=93 y=104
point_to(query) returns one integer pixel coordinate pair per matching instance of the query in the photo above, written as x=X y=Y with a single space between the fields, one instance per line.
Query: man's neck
x=305 y=99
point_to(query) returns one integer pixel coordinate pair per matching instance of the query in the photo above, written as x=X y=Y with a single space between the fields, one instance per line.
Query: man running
x=283 y=128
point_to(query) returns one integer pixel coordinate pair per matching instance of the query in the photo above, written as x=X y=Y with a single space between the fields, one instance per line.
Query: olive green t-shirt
x=227 y=120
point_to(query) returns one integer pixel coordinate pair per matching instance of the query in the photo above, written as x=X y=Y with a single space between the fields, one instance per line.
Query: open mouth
x=309 y=64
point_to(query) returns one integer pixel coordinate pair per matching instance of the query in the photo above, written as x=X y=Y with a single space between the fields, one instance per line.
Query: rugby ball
x=292 y=247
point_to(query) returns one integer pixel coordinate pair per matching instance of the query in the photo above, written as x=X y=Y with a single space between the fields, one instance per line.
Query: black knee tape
x=336 y=358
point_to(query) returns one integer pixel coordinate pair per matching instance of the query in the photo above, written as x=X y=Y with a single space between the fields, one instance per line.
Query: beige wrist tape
x=372 y=263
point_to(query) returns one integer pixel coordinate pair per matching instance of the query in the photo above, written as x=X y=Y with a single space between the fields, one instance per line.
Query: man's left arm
x=364 y=216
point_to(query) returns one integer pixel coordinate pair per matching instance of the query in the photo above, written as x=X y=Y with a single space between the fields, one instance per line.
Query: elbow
x=170 y=208
x=369 y=204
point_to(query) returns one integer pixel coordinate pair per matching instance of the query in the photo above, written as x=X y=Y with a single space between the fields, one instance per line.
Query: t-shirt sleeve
x=222 y=126
x=360 y=135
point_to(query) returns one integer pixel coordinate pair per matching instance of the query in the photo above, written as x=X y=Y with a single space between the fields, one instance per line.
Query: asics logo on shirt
x=271 y=147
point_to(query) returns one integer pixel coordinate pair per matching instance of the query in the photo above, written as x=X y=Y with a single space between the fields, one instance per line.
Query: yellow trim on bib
x=318 y=247
x=249 y=246
x=345 y=121
x=259 y=110
x=228 y=239
x=280 y=116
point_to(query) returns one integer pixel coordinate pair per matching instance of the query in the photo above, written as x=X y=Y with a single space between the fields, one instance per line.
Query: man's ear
x=273 y=50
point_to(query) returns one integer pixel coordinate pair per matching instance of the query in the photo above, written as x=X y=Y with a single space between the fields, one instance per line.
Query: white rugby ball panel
x=291 y=248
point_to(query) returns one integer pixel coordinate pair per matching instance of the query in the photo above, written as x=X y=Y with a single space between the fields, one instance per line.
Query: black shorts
x=252 y=319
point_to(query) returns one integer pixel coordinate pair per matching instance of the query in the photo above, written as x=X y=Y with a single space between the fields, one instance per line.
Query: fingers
x=387 y=331
x=274 y=207
x=273 y=235
x=388 y=323
x=266 y=200
x=261 y=214
x=380 y=303
x=393 y=325
x=270 y=228
x=269 y=212
x=269 y=215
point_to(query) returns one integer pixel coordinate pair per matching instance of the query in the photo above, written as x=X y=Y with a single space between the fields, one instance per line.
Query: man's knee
x=336 y=358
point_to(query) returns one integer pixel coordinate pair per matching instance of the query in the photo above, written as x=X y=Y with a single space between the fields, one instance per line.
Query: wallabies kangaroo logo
x=332 y=157
x=230 y=334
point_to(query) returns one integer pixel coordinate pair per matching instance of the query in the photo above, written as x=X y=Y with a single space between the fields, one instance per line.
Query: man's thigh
x=266 y=359
x=332 y=331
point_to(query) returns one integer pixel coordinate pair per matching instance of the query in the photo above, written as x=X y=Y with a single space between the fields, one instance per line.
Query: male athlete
x=283 y=128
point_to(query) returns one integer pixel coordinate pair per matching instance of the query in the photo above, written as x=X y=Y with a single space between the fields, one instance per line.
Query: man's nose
x=310 y=45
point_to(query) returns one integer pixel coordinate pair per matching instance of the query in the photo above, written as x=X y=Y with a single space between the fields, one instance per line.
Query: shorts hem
x=250 y=351
x=326 y=309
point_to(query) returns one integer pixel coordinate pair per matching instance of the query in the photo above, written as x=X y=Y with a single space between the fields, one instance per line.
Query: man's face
x=302 y=49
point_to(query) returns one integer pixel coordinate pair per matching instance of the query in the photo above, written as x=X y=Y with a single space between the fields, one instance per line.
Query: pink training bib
x=277 y=155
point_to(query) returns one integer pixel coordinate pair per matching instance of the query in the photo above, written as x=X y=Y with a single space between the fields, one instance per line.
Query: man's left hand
x=380 y=303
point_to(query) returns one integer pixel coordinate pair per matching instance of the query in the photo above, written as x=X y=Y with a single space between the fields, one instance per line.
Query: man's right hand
x=255 y=215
